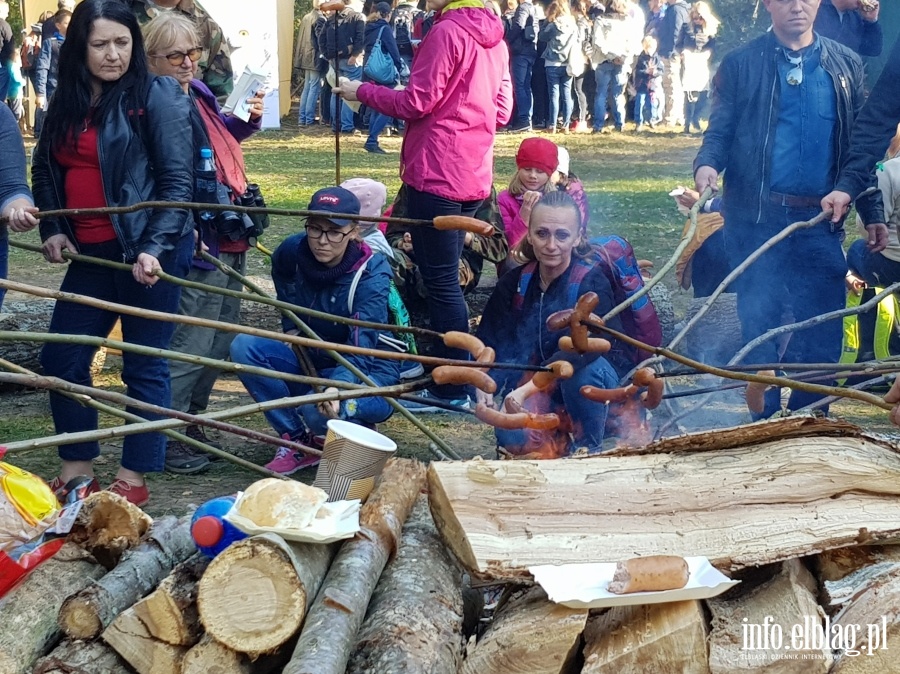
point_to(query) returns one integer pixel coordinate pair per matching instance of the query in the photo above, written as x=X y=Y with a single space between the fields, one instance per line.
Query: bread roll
x=284 y=504
x=650 y=574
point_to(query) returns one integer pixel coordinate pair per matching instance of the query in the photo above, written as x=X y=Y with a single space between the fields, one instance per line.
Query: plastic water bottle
x=209 y=529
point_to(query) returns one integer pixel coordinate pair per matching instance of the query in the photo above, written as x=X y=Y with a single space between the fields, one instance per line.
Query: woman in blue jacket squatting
x=330 y=269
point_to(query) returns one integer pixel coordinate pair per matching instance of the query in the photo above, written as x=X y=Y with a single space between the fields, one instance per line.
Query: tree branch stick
x=668 y=266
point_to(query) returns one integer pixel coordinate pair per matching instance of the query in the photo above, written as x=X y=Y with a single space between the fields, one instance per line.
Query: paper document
x=250 y=81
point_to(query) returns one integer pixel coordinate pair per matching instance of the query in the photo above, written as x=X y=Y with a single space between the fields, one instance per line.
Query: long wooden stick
x=668 y=266
x=248 y=297
x=145 y=426
x=742 y=376
x=443 y=449
x=863 y=367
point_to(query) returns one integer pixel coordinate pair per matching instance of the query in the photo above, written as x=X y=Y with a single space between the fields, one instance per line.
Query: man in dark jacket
x=872 y=133
x=780 y=126
x=672 y=29
x=851 y=24
x=347 y=44
x=522 y=40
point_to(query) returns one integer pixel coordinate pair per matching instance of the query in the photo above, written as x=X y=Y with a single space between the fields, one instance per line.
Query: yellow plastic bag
x=27 y=506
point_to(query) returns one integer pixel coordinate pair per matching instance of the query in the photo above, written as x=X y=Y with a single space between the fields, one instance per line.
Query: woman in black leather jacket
x=114 y=135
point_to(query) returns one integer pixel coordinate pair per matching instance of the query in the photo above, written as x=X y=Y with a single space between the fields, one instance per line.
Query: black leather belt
x=794 y=201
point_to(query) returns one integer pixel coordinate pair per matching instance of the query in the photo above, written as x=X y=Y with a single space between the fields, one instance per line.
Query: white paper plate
x=334 y=522
x=584 y=585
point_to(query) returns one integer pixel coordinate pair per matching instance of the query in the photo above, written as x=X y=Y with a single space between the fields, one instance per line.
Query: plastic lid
x=207 y=531
x=205 y=153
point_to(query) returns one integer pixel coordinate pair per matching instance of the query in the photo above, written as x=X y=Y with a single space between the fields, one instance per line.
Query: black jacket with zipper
x=741 y=133
x=151 y=160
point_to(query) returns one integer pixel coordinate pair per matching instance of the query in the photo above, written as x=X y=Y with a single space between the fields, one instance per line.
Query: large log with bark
x=129 y=636
x=255 y=594
x=846 y=573
x=86 y=614
x=28 y=613
x=31 y=316
x=753 y=626
x=648 y=638
x=866 y=633
x=107 y=525
x=81 y=657
x=333 y=621
x=170 y=611
x=744 y=506
x=414 y=622
x=531 y=634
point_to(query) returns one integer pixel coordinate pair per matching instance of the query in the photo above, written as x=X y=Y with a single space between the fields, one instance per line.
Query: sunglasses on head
x=176 y=58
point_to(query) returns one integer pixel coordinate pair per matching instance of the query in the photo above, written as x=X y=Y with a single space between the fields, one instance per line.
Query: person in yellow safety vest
x=865 y=339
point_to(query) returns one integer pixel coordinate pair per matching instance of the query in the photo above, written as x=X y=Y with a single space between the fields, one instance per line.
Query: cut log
x=131 y=639
x=211 y=657
x=529 y=634
x=31 y=316
x=333 y=621
x=836 y=594
x=867 y=632
x=28 y=613
x=650 y=638
x=255 y=594
x=86 y=614
x=107 y=525
x=747 y=506
x=81 y=657
x=833 y=565
x=414 y=621
x=170 y=611
x=761 y=628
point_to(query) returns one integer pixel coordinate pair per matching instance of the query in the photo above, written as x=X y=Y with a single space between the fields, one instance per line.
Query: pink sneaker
x=288 y=462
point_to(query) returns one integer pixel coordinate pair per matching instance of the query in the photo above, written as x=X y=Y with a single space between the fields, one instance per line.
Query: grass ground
x=627 y=178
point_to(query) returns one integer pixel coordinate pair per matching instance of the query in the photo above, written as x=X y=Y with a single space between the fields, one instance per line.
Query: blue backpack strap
x=581 y=269
x=527 y=272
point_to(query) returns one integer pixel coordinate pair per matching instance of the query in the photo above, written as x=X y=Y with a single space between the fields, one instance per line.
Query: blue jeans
x=694 y=104
x=559 y=78
x=279 y=357
x=873 y=268
x=354 y=73
x=802 y=276
x=146 y=377
x=437 y=255
x=377 y=122
x=611 y=80
x=588 y=418
x=4 y=260
x=522 y=67
x=646 y=108
x=309 y=99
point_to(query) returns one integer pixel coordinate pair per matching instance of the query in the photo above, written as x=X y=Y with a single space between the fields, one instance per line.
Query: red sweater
x=84 y=187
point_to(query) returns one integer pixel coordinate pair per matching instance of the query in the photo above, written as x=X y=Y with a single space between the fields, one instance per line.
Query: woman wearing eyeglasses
x=558 y=269
x=114 y=136
x=328 y=268
x=172 y=48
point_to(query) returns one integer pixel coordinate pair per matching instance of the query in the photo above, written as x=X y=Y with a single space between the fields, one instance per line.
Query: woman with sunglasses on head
x=173 y=49
x=328 y=268
x=114 y=136
x=558 y=268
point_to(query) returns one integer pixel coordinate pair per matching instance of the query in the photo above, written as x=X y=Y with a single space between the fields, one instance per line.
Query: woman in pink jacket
x=459 y=92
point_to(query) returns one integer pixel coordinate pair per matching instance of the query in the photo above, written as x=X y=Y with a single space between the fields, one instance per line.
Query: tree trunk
x=255 y=594
x=28 y=613
x=746 y=506
x=871 y=625
x=211 y=657
x=414 y=621
x=108 y=525
x=650 y=638
x=86 y=614
x=333 y=621
x=81 y=657
x=529 y=634
x=738 y=646
x=131 y=639
x=170 y=611
x=32 y=316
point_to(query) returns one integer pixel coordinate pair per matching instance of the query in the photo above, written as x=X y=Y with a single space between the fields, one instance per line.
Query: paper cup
x=352 y=460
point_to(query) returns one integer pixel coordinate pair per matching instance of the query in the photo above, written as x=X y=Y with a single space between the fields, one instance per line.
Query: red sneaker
x=139 y=496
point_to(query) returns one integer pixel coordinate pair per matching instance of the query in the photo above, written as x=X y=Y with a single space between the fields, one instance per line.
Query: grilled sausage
x=559 y=320
x=650 y=574
x=609 y=395
x=463 y=341
x=457 y=374
x=517 y=421
x=464 y=224
x=560 y=369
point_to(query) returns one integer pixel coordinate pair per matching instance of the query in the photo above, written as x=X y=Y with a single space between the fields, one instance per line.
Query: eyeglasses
x=176 y=58
x=331 y=235
x=795 y=74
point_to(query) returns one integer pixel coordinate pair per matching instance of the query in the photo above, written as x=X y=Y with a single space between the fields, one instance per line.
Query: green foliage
x=15 y=21
x=742 y=20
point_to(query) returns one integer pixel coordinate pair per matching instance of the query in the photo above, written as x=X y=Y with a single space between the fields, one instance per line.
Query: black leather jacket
x=155 y=165
x=741 y=133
